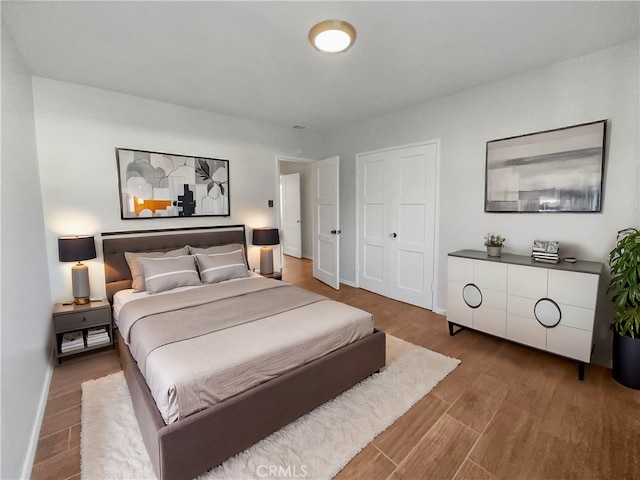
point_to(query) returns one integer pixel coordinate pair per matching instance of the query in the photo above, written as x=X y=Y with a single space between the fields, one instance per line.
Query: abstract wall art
x=160 y=185
x=557 y=170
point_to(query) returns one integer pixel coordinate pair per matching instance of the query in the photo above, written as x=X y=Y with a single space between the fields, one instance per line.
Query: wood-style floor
x=507 y=412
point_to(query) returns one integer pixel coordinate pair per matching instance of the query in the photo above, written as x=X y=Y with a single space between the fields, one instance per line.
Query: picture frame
x=164 y=185
x=558 y=170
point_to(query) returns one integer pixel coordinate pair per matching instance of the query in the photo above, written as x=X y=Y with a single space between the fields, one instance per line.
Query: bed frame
x=190 y=446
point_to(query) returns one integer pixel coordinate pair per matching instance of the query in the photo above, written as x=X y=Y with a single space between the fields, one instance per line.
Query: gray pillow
x=230 y=247
x=217 y=267
x=137 y=274
x=167 y=273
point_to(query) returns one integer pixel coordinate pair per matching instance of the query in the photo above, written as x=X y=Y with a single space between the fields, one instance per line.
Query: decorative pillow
x=217 y=267
x=136 y=269
x=166 y=273
x=228 y=248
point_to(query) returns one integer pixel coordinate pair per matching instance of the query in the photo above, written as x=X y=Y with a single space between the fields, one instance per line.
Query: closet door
x=412 y=219
x=374 y=223
x=396 y=205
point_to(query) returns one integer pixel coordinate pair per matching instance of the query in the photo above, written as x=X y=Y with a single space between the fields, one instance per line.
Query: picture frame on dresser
x=165 y=185
x=559 y=170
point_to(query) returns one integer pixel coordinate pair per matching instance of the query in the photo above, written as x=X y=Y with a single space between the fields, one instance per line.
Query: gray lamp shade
x=76 y=249
x=266 y=236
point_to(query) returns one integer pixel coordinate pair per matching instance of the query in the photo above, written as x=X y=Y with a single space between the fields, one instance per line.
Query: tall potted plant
x=624 y=261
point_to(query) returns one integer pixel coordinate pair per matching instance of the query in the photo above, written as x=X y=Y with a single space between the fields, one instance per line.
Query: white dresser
x=546 y=306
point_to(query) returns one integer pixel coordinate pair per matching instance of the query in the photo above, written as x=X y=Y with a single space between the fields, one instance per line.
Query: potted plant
x=494 y=244
x=624 y=262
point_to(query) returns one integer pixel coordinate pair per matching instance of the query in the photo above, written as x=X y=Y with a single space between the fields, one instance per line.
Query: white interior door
x=374 y=214
x=413 y=224
x=290 y=221
x=326 y=231
x=396 y=211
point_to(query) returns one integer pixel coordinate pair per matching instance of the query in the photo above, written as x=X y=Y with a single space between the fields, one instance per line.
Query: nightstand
x=80 y=328
x=276 y=275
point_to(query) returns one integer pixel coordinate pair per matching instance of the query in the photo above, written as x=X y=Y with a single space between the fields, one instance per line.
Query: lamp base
x=80 y=284
x=266 y=260
x=81 y=300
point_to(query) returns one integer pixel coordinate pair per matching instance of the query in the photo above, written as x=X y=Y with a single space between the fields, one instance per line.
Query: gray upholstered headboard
x=114 y=244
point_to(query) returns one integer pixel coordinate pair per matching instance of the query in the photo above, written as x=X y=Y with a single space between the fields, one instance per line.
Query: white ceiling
x=253 y=60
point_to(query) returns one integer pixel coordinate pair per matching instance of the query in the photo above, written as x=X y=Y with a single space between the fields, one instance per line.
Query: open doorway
x=319 y=214
x=288 y=169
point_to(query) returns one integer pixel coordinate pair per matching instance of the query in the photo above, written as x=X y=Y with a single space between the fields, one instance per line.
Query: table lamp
x=76 y=249
x=266 y=237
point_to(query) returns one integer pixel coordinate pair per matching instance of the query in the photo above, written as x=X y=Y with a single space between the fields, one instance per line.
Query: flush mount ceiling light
x=332 y=36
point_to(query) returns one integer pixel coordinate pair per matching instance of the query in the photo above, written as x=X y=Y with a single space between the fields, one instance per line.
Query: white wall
x=603 y=85
x=25 y=302
x=78 y=129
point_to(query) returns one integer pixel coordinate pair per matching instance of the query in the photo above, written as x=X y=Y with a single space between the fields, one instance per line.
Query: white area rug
x=112 y=448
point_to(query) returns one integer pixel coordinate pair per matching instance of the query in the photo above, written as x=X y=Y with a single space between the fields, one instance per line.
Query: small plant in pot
x=624 y=262
x=494 y=244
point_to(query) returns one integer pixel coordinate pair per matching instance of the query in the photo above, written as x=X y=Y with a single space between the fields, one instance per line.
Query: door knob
x=336 y=232
x=393 y=235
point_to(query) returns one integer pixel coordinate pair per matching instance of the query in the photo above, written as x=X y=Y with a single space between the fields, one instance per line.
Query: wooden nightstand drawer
x=76 y=320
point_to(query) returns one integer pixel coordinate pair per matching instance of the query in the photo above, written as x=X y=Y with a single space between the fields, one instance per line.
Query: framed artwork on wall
x=160 y=185
x=557 y=170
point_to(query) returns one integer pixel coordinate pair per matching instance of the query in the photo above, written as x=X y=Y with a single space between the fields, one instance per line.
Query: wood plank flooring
x=507 y=412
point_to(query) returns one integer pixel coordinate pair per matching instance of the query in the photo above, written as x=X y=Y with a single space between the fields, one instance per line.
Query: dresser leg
x=451 y=325
x=581 y=366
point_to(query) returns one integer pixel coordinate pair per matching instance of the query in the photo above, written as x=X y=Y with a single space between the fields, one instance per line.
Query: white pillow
x=167 y=273
x=217 y=267
x=137 y=275
x=229 y=247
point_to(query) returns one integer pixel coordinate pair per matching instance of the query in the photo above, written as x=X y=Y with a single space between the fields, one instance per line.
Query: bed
x=186 y=445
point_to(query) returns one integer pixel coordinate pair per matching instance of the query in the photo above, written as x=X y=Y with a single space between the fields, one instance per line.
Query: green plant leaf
x=624 y=263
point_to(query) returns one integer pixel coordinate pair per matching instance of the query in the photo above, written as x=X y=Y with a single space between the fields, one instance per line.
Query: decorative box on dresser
x=86 y=319
x=547 y=306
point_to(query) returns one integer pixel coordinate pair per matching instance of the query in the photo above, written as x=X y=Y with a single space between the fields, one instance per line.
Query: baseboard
x=35 y=432
x=349 y=283
x=440 y=311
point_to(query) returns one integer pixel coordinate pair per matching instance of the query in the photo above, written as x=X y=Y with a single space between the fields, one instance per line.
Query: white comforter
x=190 y=375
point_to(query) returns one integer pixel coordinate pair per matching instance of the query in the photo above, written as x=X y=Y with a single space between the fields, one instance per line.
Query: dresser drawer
x=577 y=317
x=460 y=270
x=490 y=320
x=83 y=319
x=521 y=306
x=526 y=330
x=528 y=282
x=492 y=276
x=571 y=288
x=459 y=312
x=494 y=299
x=570 y=342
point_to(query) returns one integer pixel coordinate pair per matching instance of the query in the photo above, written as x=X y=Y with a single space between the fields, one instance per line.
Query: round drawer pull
x=547 y=312
x=472 y=295
x=84 y=319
